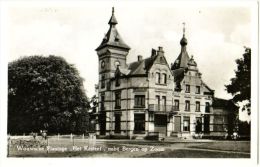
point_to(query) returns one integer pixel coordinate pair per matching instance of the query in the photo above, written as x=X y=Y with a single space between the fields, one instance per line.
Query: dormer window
x=116 y=38
x=161 y=59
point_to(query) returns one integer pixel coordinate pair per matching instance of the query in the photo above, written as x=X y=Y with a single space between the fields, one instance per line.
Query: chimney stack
x=139 y=57
x=160 y=51
x=153 y=53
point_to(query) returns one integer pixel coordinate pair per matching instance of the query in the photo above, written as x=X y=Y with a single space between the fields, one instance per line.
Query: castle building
x=150 y=96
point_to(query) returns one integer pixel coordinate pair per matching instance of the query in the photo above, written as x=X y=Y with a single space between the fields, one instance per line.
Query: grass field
x=66 y=147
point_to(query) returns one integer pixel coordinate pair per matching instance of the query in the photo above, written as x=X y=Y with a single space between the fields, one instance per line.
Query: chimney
x=153 y=53
x=160 y=51
x=139 y=57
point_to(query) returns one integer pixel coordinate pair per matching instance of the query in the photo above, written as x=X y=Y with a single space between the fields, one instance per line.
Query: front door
x=177 y=124
x=160 y=123
x=139 y=123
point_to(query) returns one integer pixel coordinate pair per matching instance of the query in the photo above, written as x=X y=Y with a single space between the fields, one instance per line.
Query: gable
x=160 y=60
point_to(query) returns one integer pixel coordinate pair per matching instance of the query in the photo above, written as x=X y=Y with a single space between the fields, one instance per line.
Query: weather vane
x=183 y=28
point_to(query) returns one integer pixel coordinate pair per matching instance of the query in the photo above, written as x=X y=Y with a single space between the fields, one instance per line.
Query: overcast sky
x=216 y=35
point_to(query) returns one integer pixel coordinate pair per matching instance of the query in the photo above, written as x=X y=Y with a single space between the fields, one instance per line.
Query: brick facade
x=149 y=96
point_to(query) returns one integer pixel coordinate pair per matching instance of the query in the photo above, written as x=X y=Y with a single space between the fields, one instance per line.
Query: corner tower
x=111 y=52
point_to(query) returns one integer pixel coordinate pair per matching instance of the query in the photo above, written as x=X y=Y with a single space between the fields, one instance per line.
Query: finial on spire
x=183 y=41
x=183 y=28
x=112 y=20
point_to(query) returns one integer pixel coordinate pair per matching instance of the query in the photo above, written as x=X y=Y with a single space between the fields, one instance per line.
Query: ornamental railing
x=162 y=108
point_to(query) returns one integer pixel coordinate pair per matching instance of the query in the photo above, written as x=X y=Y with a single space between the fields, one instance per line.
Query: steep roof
x=183 y=58
x=141 y=67
x=223 y=103
x=112 y=37
x=178 y=74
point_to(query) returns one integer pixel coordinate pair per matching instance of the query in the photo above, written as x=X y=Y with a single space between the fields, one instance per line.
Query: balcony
x=161 y=108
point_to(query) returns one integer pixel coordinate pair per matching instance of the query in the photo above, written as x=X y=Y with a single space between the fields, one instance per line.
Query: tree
x=45 y=93
x=240 y=86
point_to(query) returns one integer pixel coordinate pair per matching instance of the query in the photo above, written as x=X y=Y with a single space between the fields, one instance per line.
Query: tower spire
x=112 y=37
x=112 y=20
x=183 y=58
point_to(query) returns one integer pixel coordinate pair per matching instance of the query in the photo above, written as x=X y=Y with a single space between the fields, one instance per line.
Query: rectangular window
x=103 y=82
x=187 y=90
x=197 y=106
x=164 y=78
x=186 y=124
x=163 y=108
x=207 y=107
x=187 y=105
x=158 y=103
x=118 y=100
x=176 y=105
x=140 y=101
x=158 y=78
x=197 y=89
x=102 y=104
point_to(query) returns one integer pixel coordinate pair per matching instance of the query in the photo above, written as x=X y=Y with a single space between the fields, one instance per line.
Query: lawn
x=194 y=154
x=239 y=146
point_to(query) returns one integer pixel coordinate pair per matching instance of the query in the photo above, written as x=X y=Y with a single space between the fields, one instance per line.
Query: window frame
x=139 y=101
x=187 y=88
x=207 y=107
x=197 y=106
x=103 y=82
x=164 y=102
x=187 y=107
x=117 y=100
x=197 y=90
x=102 y=102
x=177 y=108
x=186 y=119
x=164 y=78
x=157 y=78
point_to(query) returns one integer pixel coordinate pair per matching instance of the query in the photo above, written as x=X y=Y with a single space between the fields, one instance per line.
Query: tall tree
x=45 y=93
x=240 y=86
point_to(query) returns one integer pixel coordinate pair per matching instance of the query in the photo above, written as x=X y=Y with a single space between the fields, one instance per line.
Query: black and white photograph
x=130 y=79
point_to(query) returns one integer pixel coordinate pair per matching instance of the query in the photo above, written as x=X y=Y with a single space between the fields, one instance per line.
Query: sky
x=216 y=34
